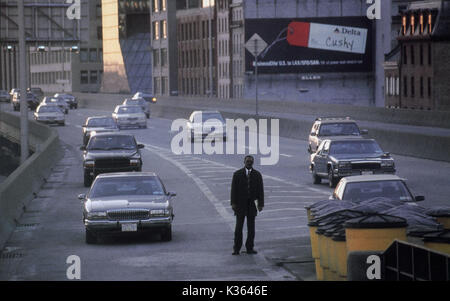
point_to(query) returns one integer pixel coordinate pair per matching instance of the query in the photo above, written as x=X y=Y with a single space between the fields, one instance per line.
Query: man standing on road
x=247 y=198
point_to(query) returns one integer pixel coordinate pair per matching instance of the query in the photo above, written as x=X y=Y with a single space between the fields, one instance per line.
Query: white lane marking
x=287 y=156
x=289 y=191
x=289 y=228
x=283 y=209
x=274 y=273
x=290 y=196
x=277 y=219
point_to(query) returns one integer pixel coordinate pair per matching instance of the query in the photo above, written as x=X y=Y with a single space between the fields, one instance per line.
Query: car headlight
x=89 y=163
x=160 y=212
x=96 y=215
x=154 y=99
x=134 y=162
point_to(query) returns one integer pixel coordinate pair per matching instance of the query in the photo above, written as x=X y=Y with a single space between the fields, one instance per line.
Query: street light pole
x=24 y=152
x=210 y=50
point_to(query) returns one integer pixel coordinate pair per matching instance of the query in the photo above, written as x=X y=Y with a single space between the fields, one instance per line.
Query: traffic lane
x=202 y=240
x=424 y=177
x=200 y=250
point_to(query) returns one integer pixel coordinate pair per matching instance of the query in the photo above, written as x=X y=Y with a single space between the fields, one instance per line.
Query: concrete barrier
x=401 y=141
x=18 y=189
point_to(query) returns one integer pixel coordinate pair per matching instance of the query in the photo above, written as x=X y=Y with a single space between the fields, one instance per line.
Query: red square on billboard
x=298 y=34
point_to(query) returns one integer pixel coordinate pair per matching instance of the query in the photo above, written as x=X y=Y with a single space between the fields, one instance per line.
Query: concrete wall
x=17 y=190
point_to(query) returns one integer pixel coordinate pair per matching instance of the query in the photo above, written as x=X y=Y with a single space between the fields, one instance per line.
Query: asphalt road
x=51 y=228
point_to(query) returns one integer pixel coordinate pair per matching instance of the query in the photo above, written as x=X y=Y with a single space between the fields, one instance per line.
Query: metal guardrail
x=408 y=262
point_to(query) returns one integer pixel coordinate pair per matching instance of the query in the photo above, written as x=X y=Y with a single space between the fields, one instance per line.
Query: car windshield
x=339 y=129
x=361 y=191
x=111 y=143
x=101 y=122
x=354 y=147
x=208 y=116
x=49 y=109
x=135 y=102
x=126 y=186
x=130 y=110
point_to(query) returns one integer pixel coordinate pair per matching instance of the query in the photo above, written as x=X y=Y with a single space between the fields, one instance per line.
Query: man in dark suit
x=247 y=198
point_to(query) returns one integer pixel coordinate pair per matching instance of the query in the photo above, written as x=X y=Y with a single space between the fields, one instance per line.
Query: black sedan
x=127 y=203
x=108 y=153
x=336 y=159
x=98 y=124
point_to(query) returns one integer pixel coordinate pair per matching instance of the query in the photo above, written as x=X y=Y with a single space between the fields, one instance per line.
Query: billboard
x=337 y=44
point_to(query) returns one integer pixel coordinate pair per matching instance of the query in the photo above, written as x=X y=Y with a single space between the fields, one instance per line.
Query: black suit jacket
x=240 y=196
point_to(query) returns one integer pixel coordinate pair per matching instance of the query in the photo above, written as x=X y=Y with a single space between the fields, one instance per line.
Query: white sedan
x=49 y=114
x=129 y=116
x=361 y=188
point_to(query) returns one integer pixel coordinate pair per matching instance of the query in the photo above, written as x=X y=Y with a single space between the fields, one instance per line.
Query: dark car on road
x=69 y=99
x=32 y=100
x=110 y=152
x=98 y=124
x=127 y=203
x=37 y=92
x=4 y=96
x=336 y=159
x=333 y=128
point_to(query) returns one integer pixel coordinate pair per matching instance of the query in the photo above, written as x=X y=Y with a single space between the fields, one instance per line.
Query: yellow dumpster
x=374 y=232
x=438 y=241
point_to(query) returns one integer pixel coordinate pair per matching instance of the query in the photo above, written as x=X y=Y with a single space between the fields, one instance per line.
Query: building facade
x=196 y=43
x=164 y=47
x=49 y=29
x=127 y=51
x=419 y=70
x=71 y=67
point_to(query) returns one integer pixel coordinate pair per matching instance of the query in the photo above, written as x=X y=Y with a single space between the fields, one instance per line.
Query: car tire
x=87 y=180
x=166 y=235
x=332 y=181
x=90 y=237
x=316 y=179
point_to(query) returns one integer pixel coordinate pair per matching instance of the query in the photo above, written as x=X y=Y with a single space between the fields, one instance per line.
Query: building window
x=156 y=57
x=163 y=5
x=405 y=55
x=413 y=88
x=163 y=86
x=156 y=30
x=405 y=86
x=93 y=55
x=412 y=55
x=83 y=55
x=84 y=77
x=429 y=54
x=164 y=57
x=99 y=32
x=94 y=77
x=429 y=87
x=421 y=87
x=421 y=54
x=155 y=6
x=164 y=29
